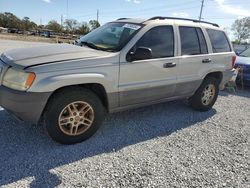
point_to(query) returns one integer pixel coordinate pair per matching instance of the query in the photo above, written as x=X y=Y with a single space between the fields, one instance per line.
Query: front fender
x=52 y=83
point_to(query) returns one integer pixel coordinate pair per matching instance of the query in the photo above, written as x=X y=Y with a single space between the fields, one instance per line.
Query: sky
x=222 y=12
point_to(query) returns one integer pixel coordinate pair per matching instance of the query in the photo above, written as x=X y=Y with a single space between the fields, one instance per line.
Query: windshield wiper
x=93 y=46
x=90 y=44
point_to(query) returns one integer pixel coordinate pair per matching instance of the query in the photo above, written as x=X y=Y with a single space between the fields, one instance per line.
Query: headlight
x=18 y=80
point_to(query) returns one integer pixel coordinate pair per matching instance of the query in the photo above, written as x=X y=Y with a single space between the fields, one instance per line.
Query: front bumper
x=26 y=106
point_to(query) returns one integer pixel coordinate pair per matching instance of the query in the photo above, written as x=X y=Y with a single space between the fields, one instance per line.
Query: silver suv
x=124 y=64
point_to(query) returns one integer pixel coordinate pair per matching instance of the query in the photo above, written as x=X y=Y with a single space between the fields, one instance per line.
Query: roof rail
x=186 y=19
x=122 y=18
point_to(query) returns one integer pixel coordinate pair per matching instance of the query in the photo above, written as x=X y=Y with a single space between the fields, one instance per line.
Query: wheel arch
x=96 y=88
x=218 y=75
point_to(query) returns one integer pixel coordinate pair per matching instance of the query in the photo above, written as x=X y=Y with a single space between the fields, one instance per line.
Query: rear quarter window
x=219 y=41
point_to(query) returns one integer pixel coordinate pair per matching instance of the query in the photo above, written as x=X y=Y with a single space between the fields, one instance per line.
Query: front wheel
x=206 y=95
x=73 y=115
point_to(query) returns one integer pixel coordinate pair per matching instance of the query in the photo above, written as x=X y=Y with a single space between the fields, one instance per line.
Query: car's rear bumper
x=26 y=106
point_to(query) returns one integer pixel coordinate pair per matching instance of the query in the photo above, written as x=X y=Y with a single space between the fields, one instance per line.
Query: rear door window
x=192 y=41
x=219 y=41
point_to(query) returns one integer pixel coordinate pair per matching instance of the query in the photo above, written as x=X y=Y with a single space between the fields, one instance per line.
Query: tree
x=9 y=20
x=41 y=27
x=241 y=28
x=71 y=25
x=27 y=24
x=55 y=26
x=94 y=24
x=83 y=29
x=33 y=25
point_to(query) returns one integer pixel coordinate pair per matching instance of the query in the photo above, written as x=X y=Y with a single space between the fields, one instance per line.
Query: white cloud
x=134 y=1
x=47 y=1
x=232 y=9
x=180 y=14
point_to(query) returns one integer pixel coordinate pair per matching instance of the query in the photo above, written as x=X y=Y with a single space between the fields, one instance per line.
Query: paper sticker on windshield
x=132 y=26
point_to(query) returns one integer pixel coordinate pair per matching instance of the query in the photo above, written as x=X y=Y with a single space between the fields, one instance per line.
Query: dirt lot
x=164 y=145
x=11 y=44
x=29 y=38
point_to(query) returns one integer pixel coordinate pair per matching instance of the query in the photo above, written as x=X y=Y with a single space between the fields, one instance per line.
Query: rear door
x=222 y=51
x=194 y=59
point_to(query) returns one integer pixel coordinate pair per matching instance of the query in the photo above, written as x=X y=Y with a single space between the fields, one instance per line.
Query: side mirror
x=140 y=53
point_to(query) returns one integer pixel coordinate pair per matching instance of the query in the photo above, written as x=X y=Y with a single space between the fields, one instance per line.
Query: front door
x=150 y=79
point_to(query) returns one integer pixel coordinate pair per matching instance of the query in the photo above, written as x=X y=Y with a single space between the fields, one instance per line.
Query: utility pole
x=61 y=20
x=202 y=5
x=67 y=9
x=97 y=15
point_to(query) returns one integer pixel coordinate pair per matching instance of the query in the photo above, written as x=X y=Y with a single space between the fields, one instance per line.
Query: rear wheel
x=73 y=115
x=206 y=95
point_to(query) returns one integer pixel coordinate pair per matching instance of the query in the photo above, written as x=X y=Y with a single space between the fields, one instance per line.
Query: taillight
x=233 y=60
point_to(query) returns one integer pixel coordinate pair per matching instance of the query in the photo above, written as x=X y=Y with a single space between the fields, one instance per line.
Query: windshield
x=245 y=53
x=111 y=36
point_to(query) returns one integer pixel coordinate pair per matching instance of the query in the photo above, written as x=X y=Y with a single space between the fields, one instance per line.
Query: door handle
x=206 y=61
x=169 y=65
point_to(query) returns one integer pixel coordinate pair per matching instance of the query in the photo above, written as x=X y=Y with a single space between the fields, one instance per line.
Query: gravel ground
x=165 y=145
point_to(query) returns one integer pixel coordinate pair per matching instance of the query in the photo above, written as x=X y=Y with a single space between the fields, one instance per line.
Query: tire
x=73 y=115
x=201 y=101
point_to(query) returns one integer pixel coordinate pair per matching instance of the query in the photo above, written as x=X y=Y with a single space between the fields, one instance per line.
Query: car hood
x=28 y=57
x=243 y=60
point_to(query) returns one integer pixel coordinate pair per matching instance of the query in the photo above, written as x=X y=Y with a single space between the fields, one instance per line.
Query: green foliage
x=241 y=28
x=54 y=26
x=236 y=42
x=71 y=25
x=83 y=29
x=9 y=20
x=94 y=24
x=74 y=27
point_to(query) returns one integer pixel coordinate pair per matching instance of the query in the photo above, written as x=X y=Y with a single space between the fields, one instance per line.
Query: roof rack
x=186 y=19
x=122 y=18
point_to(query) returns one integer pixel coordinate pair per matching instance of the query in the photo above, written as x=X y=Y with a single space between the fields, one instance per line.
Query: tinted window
x=203 y=44
x=219 y=41
x=192 y=41
x=160 y=40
